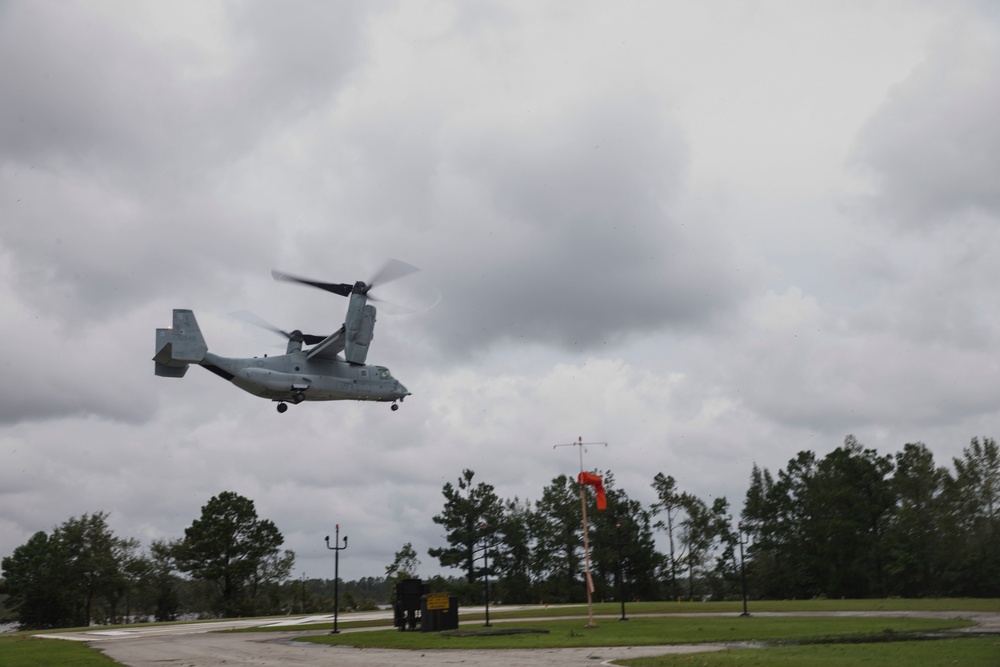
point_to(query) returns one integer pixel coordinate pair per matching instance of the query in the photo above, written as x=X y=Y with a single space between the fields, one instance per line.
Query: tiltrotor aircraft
x=318 y=373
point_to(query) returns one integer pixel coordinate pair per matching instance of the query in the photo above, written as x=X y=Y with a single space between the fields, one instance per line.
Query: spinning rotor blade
x=393 y=270
x=250 y=318
x=343 y=289
x=296 y=335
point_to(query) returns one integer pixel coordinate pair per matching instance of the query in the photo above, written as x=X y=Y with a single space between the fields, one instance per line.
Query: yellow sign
x=437 y=601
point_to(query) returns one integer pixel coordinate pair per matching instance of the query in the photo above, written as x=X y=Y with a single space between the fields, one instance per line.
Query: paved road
x=199 y=645
x=267 y=650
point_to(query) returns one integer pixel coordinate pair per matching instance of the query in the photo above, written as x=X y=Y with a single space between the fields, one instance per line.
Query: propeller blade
x=343 y=289
x=394 y=269
x=389 y=307
x=250 y=318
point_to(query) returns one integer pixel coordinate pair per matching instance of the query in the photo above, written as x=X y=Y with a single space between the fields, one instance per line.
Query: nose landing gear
x=395 y=407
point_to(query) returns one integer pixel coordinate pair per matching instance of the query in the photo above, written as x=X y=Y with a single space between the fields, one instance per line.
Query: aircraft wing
x=330 y=346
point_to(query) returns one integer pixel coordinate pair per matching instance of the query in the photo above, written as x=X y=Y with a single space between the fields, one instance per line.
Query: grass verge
x=967 y=652
x=613 y=610
x=25 y=651
x=646 y=631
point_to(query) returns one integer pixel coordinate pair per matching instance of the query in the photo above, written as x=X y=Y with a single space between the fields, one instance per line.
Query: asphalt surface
x=202 y=645
x=267 y=650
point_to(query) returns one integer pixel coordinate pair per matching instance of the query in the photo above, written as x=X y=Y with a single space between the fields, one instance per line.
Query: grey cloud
x=835 y=380
x=934 y=146
x=83 y=251
x=88 y=369
x=85 y=90
x=298 y=54
x=558 y=232
x=114 y=155
x=601 y=255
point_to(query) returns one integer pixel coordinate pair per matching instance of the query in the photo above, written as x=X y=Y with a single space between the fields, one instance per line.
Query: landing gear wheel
x=395 y=407
x=282 y=407
x=298 y=397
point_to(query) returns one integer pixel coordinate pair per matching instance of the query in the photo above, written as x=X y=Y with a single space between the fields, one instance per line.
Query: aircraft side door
x=364 y=384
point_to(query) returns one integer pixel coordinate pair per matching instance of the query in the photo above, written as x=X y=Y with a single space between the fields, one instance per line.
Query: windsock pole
x=586 y=539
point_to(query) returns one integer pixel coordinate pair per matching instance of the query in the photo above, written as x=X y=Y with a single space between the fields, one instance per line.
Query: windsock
x=590 y=479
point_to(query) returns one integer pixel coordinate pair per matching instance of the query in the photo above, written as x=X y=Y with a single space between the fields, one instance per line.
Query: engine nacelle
x=360 y=325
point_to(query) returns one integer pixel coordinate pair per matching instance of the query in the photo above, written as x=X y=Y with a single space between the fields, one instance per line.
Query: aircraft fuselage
x=292 y=377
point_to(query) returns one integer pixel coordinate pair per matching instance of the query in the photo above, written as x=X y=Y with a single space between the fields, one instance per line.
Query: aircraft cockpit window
x=384 y=374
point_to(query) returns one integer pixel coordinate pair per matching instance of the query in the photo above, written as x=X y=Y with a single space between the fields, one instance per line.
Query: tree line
x=859 y=524
x=82 y=573
x=854 y=523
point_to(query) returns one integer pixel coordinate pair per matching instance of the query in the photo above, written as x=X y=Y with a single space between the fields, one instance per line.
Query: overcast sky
x=709 y=234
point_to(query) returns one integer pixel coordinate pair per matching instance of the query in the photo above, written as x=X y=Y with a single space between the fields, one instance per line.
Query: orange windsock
x=590 y=479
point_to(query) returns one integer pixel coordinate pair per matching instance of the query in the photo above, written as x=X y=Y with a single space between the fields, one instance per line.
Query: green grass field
x=649 y=630
x=20 y=650
x=966 y=652
x=613 y=610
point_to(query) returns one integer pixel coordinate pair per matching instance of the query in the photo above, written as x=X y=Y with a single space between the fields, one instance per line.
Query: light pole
x=336 y=573
x=486 y=573
x=743 y=572
x=621 y=574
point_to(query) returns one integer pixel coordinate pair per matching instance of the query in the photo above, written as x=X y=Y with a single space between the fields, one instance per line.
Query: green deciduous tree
x=35 y=581
x=72 y=577
x=97 y=565
x=237 y=552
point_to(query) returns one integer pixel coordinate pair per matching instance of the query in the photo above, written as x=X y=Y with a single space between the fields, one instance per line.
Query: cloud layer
x=710 y=236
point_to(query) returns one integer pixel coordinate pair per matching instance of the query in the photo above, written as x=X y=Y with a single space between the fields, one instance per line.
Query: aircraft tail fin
x=180 y=345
